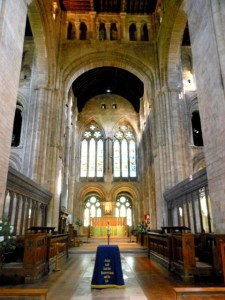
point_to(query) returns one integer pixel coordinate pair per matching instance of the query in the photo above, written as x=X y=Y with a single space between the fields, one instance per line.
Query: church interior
x=112 y=132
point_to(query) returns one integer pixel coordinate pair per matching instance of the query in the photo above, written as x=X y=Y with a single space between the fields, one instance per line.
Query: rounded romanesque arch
x=88 y=189
x=42 y=35
x=111 y=59
x=169 y=45
x=129 y=188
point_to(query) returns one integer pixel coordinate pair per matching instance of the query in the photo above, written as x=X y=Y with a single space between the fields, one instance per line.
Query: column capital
x=28 y=2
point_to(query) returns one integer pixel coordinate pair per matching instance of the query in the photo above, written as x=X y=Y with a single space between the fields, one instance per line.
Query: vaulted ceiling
x=110 y=6
x=105 y=80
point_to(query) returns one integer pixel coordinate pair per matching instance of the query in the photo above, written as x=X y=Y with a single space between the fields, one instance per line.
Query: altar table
x=107 y=271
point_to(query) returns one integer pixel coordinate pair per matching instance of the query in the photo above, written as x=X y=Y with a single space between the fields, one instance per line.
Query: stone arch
x=169 y=57
x=15 y=161
x=122 y=187
x=85 y=124
x=109 y=58
x=71 y=30
x=45 y=54
x=88 y=189
x=125 y=120
x=199 y=162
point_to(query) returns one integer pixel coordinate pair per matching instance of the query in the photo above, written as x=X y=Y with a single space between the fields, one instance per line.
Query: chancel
x=112 y=134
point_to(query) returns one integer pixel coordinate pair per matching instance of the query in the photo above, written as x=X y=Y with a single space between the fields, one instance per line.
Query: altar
x=118 y=226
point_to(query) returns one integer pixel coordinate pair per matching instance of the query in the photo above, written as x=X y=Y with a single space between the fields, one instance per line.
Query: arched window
x=144 y=33
x=92 y=152
x=124 y=153
x=132 y=32
x=83 y=31
x=92 y=209
x=124 y=208
x=102 y=32
x=17 y=126
x=196 y=129
x=70 y=31
x=113 y=32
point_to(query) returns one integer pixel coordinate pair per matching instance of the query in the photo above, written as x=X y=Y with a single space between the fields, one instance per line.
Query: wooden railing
x=159 y=248
x=23 y=196
x=183 y=255
x=200 y=293
x=189 y=254
x=222 y=248
x=41 y=293
x=39 y=256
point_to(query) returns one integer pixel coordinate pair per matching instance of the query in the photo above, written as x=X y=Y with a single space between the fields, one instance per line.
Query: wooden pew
x=41 y=293
x=39 y=256
x=222 y=248
x=198 y=293
x=159 y=248
x=183 y=255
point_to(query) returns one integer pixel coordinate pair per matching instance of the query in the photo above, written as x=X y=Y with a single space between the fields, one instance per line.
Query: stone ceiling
x=110 y=6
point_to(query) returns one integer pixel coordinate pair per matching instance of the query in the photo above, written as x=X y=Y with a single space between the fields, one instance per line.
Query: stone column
x=123 y=30
x=77 y=30
x=107 y=27
x=67 y=142
x=74 y=163
x=171 y=164
x=12 y=27
x=207 y=53
x=138 y=28
x=97 y=31
x=92 y=25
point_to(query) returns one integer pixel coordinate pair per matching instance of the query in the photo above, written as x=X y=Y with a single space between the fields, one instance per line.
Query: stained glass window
x=124 y=209
x=92 y=152
x=124 y=153
x=92 y=209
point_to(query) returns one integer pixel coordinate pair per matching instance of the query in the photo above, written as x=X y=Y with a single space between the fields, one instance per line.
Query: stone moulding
x=20 y=184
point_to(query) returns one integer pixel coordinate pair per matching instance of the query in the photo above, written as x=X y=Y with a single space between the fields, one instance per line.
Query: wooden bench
x=200 y=293
x=42 y=293
x=222 y=247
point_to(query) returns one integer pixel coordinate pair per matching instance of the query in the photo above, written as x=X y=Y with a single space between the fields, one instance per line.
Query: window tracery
x=124 y=152
x=92 y=152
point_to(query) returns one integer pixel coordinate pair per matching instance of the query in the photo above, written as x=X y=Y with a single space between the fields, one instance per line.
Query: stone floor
x=144 y=279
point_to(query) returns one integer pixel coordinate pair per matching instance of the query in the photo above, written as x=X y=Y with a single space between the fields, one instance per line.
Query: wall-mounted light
x=108 y=91
x=103 y=106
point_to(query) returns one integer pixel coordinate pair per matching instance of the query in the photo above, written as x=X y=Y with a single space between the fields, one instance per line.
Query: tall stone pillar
x=171 y=164
x=12 y=27
x=44 y=146
x=208 y=44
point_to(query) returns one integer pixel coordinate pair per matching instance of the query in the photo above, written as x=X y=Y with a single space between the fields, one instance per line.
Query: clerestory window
x=124 y=153
x=92 y=152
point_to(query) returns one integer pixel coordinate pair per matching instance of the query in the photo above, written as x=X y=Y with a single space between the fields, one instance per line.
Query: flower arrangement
x=7 y=239
x=79 y=222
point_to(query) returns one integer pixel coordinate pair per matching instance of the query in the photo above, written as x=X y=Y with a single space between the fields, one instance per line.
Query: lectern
x=107 y=271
